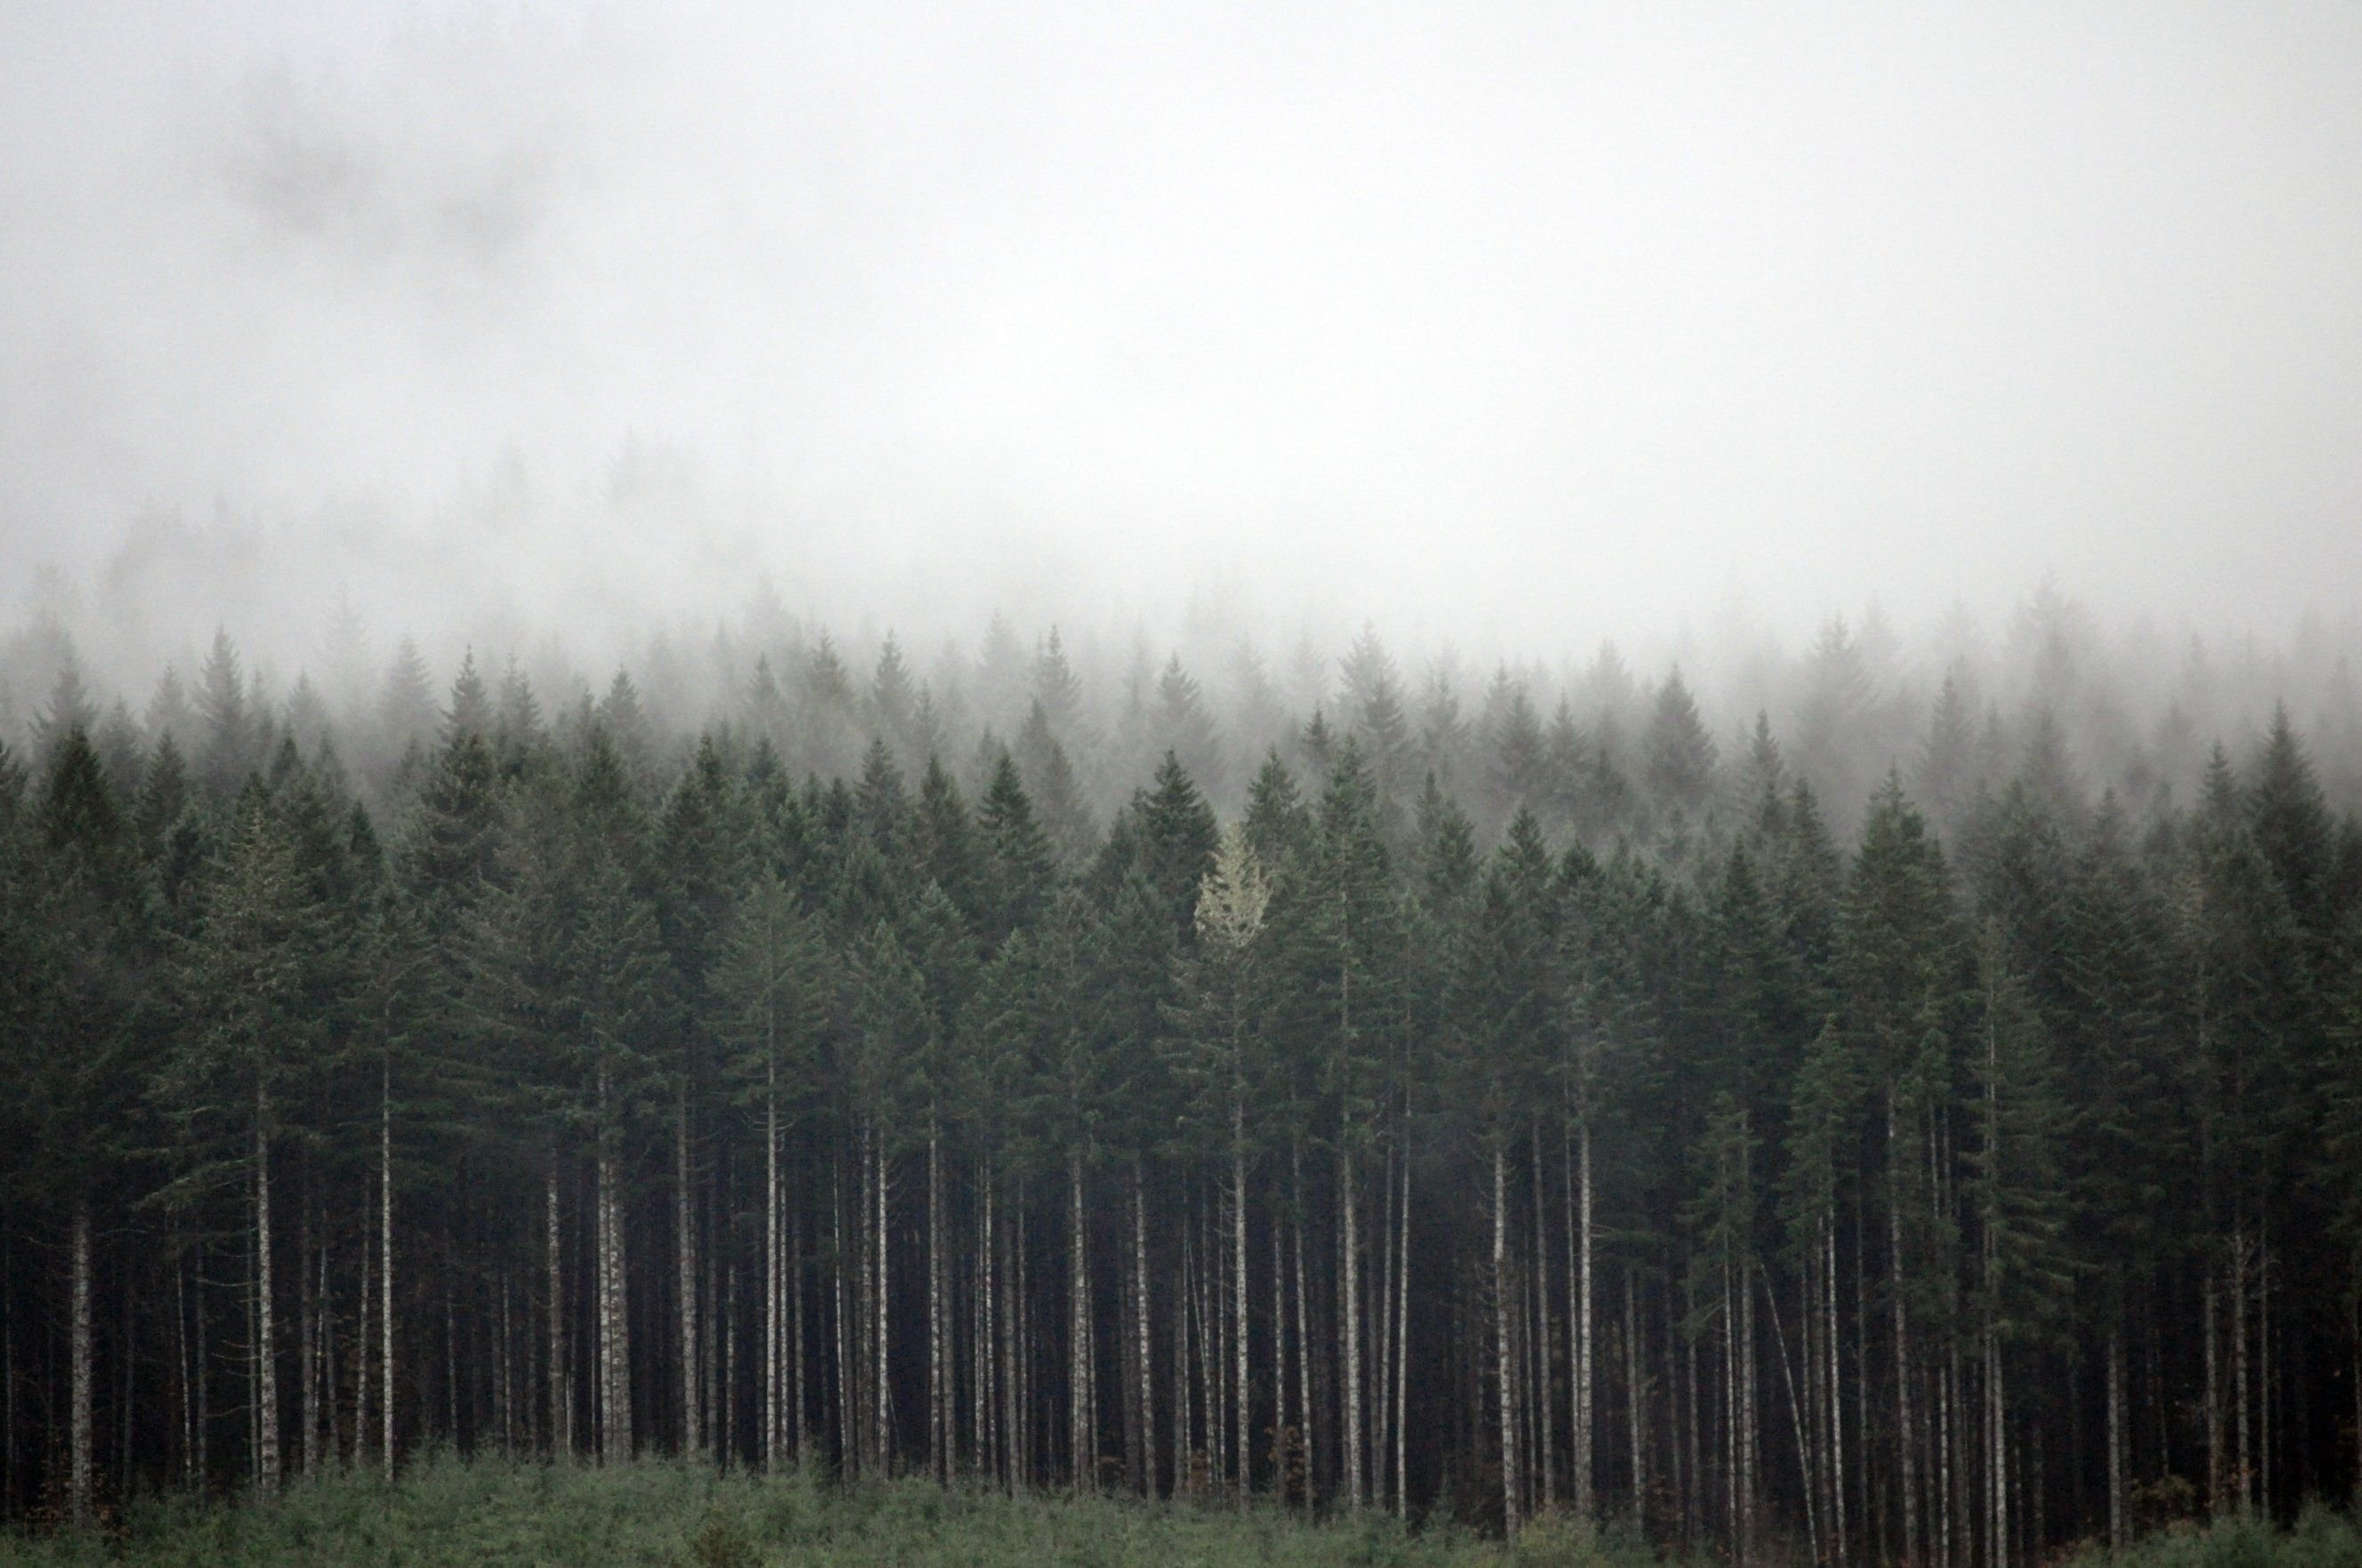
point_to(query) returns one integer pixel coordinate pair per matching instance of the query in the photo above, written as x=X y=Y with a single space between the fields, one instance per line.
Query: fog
x=1508 y=327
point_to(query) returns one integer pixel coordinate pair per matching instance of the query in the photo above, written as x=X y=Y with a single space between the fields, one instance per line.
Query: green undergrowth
x=671 y=1515
x=2318 y=1539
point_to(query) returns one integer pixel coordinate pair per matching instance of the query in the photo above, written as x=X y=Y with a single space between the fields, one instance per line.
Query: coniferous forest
x=1928 y=1130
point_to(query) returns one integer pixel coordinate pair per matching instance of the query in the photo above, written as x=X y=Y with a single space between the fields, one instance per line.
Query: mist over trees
x=1877 y=1102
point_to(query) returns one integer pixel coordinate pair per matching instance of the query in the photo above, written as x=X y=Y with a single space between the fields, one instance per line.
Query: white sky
x=1478 y=317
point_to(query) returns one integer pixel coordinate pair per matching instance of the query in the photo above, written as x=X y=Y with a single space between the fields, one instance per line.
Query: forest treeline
x=1482 y=1121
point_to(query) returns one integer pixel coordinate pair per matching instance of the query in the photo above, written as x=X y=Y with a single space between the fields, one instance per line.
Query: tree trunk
x=774 y=1271
x=266 y=1360
x=562 y=1385
x=1402 y=1329
x=1304 y=1433
x=2242 y=1408
x=939 y=1408
x=692 y=1412
x=1834 y=1349
x=1636 y=1401
x=1081 y=1441
x=1144 y=1355
x=385 y=1264
x=1905 y=1480
x=1546 y=1401
x=1349 y=1309
x=361 y=1349
x=1239 y=1280
x=1579 y=1310
x=78 y=1486
x=1511 y=1483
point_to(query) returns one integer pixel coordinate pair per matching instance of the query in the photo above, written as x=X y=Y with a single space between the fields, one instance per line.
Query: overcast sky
x=1497 y=316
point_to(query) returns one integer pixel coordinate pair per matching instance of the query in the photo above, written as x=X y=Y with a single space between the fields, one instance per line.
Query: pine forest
x=1926 y=1128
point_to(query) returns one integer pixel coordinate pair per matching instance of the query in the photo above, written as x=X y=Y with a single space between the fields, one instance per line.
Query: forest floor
x=667 y=1514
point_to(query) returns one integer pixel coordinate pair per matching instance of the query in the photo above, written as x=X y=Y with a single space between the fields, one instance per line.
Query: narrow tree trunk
x=361 y=1350
x=1636 y=1393
x=79 y=1486
x=1795 y=1413
x=692 y=1412
x=1511 y=1483
x=774 y=1269
x=2115 y=1435
x=1239 y=1280
x=1402 y=1331
x=1905 y=1483
x=799 y=1407
x=385 y=1264
x=307 y=1344
x=1283 y=1447
x=561 y=1384
x=1081 y=1441
x=2242 y=1408
x=1546 y=1401
x=881 y=1386
x=1579 y=1311
x=2215 y=1487
x=939 y=1410
x=1997 y=1447
x=1349 y=1310
x=1834 y=1347
x=1304 y=1435
x=266 y=1361
x=1144 y=1355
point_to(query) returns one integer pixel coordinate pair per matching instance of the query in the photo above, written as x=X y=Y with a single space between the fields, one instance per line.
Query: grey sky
x=1546 y=318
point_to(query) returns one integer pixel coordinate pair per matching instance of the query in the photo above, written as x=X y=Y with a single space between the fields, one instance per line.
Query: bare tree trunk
x=1546 y=1402
x=798 y=1406
x=308 y=1344
x=1402 y=1329
x=1905 y=1481
x=1144 y=1355
x=361 y=1351
x=939 y=1410
x=774 y=1271
x=692 y=1412
x=1997 y=1446
x=881 y=1387
x=2243 y=1410
x=2264 y=1367
x=1512 y=1486
x=1283 y=1447
x=2215 y=1486
x=1081 y=1443
x=562 y=1385
x=1304 y=1433
x=2115 y=1434
x=266 y=1360
x=79 y=1486
x=1581 y=1310
x=1239 y=1280
x=385 y=1264
x=1350 y=1309
x=1636 y=1411
x=1835 y=1351
x=1795 y=1409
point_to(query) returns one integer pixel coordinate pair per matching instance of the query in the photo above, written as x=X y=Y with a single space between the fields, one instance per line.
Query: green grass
x=668 y=1515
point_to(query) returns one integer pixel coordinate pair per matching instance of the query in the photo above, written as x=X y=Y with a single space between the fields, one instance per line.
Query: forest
x=1927 y=1129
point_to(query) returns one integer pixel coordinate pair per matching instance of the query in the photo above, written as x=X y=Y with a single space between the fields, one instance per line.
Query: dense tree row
x=1624 y=1144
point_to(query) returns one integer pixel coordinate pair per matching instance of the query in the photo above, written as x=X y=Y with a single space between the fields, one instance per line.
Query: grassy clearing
x=666 y=1515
